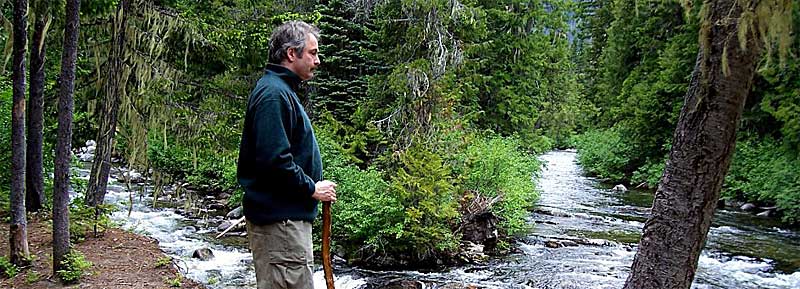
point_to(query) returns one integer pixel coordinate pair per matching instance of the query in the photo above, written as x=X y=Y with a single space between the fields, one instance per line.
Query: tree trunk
x=101 y=166
x=18 y=231
x=34 y=175
x=701 y=153
x=64 y=143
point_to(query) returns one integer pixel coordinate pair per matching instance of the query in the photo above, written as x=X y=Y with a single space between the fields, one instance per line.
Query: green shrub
x=604 y=154
x=424 y=187
x=367 y=216
x=5 y=140
x=649 y=174
x=75 y=267
x=82 y=219
x=9 y=270
x=753 y=176
x=496 y=166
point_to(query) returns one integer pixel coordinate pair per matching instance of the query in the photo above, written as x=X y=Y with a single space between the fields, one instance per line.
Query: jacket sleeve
x=272 y=128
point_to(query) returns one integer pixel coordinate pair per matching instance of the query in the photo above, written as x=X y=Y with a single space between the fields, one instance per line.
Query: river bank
x=121 y=259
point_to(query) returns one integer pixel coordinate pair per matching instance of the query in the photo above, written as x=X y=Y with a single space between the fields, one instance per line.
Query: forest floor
x=120 y=259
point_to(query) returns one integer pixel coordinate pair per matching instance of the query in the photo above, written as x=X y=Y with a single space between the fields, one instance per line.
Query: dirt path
x=120 y=260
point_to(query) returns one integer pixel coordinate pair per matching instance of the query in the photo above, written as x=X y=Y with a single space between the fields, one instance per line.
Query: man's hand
x=325 y=191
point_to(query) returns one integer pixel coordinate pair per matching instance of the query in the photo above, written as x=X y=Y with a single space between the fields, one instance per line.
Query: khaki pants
x=282 y=254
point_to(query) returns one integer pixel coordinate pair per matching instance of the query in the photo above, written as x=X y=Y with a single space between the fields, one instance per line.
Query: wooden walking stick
x=326 y=244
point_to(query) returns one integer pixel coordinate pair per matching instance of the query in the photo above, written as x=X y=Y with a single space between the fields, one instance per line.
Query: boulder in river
x=404 y=284
x=766 y=214
x=204 y=254
x=235 y=213
x=748 y=207
x=620 y=188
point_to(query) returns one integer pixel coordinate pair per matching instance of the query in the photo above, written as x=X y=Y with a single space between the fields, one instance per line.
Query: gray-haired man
x=280 y=167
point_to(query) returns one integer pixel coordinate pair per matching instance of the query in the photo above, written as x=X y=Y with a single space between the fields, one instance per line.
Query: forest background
x=421 y=107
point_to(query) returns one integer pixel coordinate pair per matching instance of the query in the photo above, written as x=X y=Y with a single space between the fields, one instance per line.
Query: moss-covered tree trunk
x=34 y=176
x=18 y=232
x=114 y=87
x=703 y=145
x=66 y=92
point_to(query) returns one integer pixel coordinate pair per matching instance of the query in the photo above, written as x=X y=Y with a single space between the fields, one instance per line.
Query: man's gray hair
x=291 y=34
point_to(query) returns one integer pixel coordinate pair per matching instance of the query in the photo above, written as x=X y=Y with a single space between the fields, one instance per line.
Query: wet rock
x=217 y=205
x=553 y=213
x=620 y=188
x=404 y=284
x=133 y=176
x=473 y=253
x=766 y=214
x=224 y=226
x=235 y=213
x=720 y=204
x=748 y=207
x=568 y=243
x=552 y=244
x=204 y=254
x=457 y=286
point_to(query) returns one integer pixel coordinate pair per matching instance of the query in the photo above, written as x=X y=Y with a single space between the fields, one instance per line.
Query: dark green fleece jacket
x=279 y=160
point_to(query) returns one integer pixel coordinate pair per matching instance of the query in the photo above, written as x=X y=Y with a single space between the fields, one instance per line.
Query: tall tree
x=33 y=173
x=64 y=142
x=704 y=140
x=114 y=89
x=18 y=232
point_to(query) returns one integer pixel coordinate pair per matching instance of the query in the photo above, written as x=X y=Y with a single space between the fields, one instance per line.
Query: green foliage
x=423 y=185
x=8 y=269
x=753 y=172
x=174 y=282
x=603 y=153
x=75 y=266
x=32 y=277
x=164 y=261
x=496 y=166
x=85 y=219
x=5 y=137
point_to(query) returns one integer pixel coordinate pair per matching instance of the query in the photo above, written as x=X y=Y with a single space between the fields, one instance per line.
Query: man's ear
x=291 y=54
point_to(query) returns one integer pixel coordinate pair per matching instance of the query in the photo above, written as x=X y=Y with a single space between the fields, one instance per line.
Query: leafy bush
x=650 y=174
x=5 y=139
x=82 y=218
x=75 y=266
x=424 y=187
x=8 y=269
x=496 y=166
x=603 y=153
x=752 y=176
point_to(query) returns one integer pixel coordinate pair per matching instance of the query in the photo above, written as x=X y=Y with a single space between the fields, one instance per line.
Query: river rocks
x=473 y=253
x=86 y=154
x=620 y=188
x=766 y=214
x=554 y=213
x=404 y=284
x=133 y=176
x=235 y=213
x=204 y=254
x=748 y=207
x=552 y=244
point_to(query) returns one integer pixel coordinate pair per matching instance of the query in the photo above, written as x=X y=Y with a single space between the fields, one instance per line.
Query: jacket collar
x=287 y=75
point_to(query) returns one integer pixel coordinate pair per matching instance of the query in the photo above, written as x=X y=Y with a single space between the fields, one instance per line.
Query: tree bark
x=98 y=179
x=34 y=174
x=64 y=143
x=703 y=145
x=18 y=231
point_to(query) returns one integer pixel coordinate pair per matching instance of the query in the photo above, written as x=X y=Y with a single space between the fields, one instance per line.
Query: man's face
x=306 y=63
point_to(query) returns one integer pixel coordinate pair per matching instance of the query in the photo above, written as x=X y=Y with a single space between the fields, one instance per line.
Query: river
x=584 y=236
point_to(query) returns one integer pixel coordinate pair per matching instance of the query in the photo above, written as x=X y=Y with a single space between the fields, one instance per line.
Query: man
x=280 y=167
